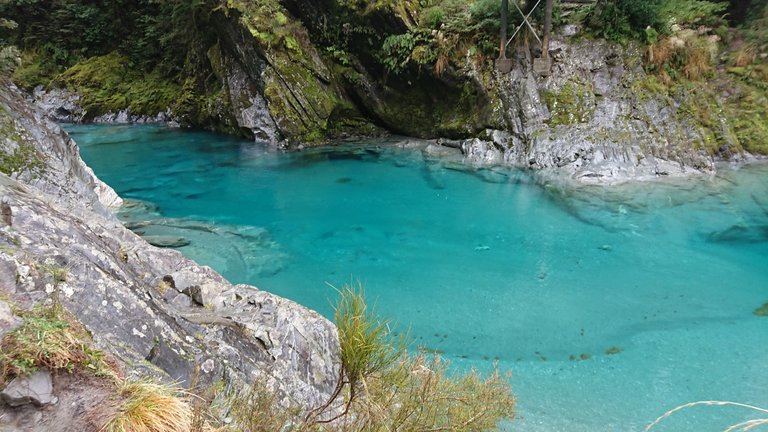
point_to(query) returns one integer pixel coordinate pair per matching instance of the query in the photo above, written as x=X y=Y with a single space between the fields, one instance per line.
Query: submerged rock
x=166 y=241
x=762 y=310
x=740 y=234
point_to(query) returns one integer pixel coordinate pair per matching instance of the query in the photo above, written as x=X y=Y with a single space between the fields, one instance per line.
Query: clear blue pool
x=486 y=265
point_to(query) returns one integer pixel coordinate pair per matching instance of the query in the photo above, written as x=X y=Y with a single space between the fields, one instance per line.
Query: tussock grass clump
x=672 y=56
x=50 y=338
x=150 y=407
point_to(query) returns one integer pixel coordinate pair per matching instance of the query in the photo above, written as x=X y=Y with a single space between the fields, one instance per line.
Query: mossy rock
x=17 y=155
x=573 y=103
x=109 y=83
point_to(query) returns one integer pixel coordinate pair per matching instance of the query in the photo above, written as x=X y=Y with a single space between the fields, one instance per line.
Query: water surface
x=609 y=305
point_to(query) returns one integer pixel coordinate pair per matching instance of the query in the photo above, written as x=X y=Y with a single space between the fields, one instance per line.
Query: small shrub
x=672 y=56
x=744 y=56
x=389 y=389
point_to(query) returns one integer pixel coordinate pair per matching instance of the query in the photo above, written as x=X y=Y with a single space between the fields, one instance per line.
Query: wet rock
x=481 y=152
x=166 y=241
x=585 y=121
x=36 y=389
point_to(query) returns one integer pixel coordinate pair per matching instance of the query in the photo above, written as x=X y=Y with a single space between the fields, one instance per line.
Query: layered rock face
x=156 y=311
x=589 y=120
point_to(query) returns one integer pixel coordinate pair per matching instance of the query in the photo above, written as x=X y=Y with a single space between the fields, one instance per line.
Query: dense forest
x=151 y=56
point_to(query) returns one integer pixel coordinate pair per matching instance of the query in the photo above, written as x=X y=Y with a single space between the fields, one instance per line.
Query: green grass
x=50 y=338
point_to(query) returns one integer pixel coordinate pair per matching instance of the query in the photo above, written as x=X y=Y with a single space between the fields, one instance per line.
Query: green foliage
x=447 y=30
x=748 y=112
x=691 y=12
x=9 y=54
x=627 y=19
x=365 y=339
x=269 y=24
x=622 y=19
x=756 y=28
x=397 y=49
x=108 y=84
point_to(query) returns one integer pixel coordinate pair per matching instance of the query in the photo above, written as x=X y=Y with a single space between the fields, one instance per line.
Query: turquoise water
x=485 y=266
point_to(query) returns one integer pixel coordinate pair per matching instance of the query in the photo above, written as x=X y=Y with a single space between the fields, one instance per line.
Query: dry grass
x=419 y=395
x=150 y=407
x=691 y=57
x=697 y=62
x=743 y=426
x=745 y=55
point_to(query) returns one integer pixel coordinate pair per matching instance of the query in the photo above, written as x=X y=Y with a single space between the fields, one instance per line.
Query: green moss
x=572 y=104
x=648 y=87
x=748 y=115
x=32 y=72
x=109 y=83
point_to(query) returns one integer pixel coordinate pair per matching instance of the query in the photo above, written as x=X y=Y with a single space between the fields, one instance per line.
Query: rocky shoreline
x=158 y=313
x=591 y=120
